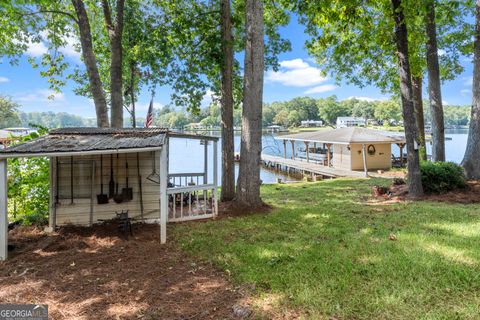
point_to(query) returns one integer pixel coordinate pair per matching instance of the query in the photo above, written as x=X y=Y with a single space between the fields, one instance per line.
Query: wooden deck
x=308 y=167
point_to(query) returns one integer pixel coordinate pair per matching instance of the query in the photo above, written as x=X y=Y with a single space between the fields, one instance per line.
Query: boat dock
x=304 y=167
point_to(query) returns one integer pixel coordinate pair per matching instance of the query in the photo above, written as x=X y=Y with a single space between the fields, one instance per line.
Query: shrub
x=440 y=177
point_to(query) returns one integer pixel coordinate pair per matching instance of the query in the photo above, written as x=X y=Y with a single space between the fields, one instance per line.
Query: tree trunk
x=471 y=159
x=228 y=150
x=401 y=38
x=116 y=54
x=434 y=88
x=96 y=86
x=248 y=185
x=132 y=93
x=419 y=118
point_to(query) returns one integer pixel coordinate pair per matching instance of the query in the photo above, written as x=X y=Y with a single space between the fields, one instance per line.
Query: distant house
x=276 y=128
x=311 y=123
x=343 y=122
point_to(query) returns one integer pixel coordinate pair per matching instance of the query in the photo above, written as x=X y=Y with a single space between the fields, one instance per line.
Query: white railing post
x=205 y=163
x=3 y=210
x=215 y=178
x=163 y=192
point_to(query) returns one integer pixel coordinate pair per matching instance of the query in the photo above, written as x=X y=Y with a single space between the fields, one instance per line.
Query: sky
x=298 y=76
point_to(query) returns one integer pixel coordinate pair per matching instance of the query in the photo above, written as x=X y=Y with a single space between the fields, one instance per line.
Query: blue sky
x=298 y=76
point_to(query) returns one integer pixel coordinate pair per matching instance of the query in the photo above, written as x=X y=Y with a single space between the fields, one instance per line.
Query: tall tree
x=471 y=158
x=401 y=39
x=248 y=185
x=95 y=83
x=417 y=85
x=115 y=31
x=434 y=88
x=228 y=150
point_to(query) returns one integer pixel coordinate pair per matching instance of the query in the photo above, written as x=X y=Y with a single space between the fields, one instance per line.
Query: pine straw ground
x=91 y=273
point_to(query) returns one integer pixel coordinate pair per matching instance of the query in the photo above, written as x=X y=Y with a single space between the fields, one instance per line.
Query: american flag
x=149 y=119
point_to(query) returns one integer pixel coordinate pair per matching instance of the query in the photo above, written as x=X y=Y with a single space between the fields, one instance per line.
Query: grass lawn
x=324 y=252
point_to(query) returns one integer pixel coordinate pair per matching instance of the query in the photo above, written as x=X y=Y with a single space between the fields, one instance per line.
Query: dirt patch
x=92 y=273
x=233 y=209
x=399 y=193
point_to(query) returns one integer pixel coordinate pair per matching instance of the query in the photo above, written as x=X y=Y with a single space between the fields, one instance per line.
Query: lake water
x=187 y=155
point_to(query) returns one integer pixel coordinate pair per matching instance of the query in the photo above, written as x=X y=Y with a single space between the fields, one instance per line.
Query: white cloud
x=208 y=98
x=296 y=73
x=42 y=95
x=70 y=49
x=322 y=88
x=465 y=92
x=441 y=52
x=142 y=108
x=445 y=103
x=36 y=49
x=294 y=64
x=368 y=99
x=4 y=79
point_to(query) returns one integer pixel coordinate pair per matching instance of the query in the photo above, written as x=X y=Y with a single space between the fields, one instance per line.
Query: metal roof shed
x=77 y=160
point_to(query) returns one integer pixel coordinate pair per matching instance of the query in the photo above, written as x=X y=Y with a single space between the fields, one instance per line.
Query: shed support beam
x=163 y=192
x=364 y=151
x=3 y=211
x=205 y=163
x=215 y=178
x=285 y=148
x=52 y=216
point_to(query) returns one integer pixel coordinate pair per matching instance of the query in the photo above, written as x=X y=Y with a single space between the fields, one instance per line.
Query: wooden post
x=3 y=210
x=163 y=192
x=52 y=214
x=293 y=149
x=92 y=194
x=285 y=148
x=215 y=178
x=205 y=162
x=308 y=151
x=364 y=150
x=328 y=154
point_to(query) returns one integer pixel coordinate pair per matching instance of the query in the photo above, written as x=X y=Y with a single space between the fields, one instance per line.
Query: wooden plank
x=3 y=210
x=163 y=193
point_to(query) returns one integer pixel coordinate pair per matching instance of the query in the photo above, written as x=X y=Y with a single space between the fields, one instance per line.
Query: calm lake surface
x=187 y=155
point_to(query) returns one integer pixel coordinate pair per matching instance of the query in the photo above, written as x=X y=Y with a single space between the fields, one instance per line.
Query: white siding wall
x=79 y=211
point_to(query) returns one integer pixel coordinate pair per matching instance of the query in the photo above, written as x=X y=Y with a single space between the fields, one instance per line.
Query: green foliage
x=9 y=112
x=440 y=177
x=28 y=186
x=329 y=109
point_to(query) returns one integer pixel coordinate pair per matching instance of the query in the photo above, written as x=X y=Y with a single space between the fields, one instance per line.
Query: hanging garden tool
x=154 y=176
x=127 y=192
x=118 y=198
x=102 y=198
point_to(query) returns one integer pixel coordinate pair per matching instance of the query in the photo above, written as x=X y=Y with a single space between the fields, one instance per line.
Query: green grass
x=324 y=252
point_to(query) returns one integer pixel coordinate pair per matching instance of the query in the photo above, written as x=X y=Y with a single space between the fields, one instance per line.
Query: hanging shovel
x=127 y=192
x=111 y=184
x=102 y=198
x=118 y=197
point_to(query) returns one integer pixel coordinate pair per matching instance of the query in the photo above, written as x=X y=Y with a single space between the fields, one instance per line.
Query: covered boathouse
x=96 y=173
x=349 y=148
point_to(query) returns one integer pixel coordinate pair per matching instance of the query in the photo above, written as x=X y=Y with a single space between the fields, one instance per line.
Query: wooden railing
x=189 y=198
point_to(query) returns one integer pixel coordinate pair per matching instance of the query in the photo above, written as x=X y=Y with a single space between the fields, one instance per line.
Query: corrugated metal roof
x=68 y=140
x=345 y=136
